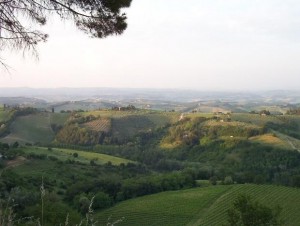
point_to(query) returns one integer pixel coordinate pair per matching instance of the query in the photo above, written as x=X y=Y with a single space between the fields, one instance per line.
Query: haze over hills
x=65 y=93
x=159 y=99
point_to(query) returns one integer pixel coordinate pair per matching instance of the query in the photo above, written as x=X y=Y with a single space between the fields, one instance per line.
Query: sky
x=192 y=44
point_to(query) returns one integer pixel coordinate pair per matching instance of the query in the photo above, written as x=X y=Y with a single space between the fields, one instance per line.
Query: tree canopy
x=247 y=212
x=98 y=18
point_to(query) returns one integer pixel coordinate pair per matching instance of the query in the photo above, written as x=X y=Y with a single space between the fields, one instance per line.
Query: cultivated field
x=59 y=118
x=256 y=118
x=167 y=208
x=31 y=128
x=101 y=124
x=273 y=140
x=124 y=124
x=202 y=206
x=4 y=115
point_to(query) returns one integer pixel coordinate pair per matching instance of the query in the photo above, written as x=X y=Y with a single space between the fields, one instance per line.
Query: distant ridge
x=178 y=95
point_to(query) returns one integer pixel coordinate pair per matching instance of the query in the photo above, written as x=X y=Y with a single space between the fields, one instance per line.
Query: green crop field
x=256 y=119
x=59 y=118
x=202 y=206
x=160 y=117
x=271 y=139
x=5 y=115
x=31 y=128
x=200 y=114
x=163 y=118
x=112 y=113
x=130 y=125
x=83 y=156
x=167 y=208
x=101 y=124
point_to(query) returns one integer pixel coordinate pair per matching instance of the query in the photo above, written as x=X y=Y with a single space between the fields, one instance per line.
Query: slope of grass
x=272 y=140
x=201 y=206
x=31 y=128
x=130 y=125
x=256 y=118
x=125 y=124
x=287 y=198
x=83 y=156
x=4 y=115
x=167 y=208
x=111 y=113
x=59 y=118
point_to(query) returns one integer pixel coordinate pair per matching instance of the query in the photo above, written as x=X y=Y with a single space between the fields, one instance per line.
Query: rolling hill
x=201 y=206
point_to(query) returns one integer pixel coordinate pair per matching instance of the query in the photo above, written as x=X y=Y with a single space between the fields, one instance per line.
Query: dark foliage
x=98 y=18
x=247 y=212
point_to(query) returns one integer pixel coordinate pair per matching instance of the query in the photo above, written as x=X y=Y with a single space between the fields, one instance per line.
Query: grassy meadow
x=31 y=128
x=4 y=115
x=82 y=156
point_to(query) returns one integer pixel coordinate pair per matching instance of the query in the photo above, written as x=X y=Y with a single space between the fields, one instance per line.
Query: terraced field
x=202 y=206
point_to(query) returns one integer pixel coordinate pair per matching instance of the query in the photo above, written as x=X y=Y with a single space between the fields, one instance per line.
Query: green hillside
x=59 y=118
x=201 y=206
x=34 y=128
x=82 y=156
x=4 y=115
x=31 y=128
x=6 y=118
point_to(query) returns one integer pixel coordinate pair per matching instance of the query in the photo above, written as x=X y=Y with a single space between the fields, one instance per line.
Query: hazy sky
x=196 y=44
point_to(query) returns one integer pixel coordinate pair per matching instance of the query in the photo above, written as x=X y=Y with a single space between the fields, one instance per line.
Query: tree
x=247 y=212
x=99 y=18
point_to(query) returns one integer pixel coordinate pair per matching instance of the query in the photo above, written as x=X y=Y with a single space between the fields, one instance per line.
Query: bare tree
x=99 y=18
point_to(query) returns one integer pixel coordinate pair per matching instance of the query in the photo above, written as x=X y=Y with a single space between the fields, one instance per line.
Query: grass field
x=256 y=119
x=35 y=128
x=200 y=114
x=130 y=125
x=271 y=139
x=126 y=124
x=31 y=128
x=112 y=113
x=201 y=206
x=59 y=118
x=83 y=156
x=4 y=115
x=158 y=117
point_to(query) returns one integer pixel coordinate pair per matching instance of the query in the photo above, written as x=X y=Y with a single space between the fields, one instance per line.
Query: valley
x=144 y=166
